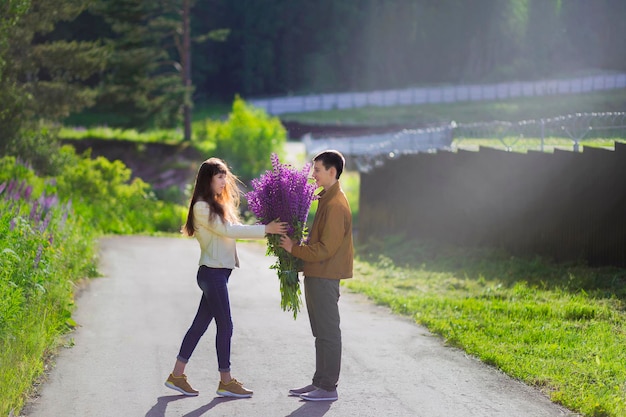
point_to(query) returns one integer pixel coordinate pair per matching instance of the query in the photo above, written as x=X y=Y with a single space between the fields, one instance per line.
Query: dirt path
x=132 y=320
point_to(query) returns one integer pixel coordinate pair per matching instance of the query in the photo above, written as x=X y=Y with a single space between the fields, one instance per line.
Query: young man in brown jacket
x=328 y=256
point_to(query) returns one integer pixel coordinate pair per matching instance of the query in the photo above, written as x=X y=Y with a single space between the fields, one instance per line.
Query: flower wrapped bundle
x=284 y=193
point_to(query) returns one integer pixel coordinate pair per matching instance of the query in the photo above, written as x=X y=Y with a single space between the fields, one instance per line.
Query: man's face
x=323 y=177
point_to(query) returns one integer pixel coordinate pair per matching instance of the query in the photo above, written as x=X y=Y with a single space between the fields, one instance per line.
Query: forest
x=145 y=63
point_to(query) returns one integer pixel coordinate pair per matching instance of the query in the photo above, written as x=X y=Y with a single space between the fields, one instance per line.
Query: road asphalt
x=132 y=319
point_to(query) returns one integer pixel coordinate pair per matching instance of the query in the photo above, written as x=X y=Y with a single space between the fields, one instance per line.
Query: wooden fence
x=565 y=205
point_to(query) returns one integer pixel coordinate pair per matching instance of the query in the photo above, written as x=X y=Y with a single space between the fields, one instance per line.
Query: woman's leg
x=177 y=379
x=198 y=328
x=214 y=286
x=192 y=337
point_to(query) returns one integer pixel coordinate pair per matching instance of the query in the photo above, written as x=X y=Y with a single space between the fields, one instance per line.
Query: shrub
x=104 y=195
x=44 y=248
x=48 y=228
x=246 y=139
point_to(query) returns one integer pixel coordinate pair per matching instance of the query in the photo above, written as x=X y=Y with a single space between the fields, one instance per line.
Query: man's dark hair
x=331 y=159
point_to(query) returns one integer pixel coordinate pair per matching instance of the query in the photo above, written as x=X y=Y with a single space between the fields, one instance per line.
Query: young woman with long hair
x=213 y=219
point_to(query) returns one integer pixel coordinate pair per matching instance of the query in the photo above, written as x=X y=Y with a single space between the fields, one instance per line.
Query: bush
x=44 y=249
x=104 y=195
x=246 y=139
x=39 y=146
x=48 y=228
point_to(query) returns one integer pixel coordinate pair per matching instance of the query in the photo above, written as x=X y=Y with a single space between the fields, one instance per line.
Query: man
x=328 y=257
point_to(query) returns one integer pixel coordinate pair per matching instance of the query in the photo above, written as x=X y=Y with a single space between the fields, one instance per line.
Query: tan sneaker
x=180 y=384
x=233 y=389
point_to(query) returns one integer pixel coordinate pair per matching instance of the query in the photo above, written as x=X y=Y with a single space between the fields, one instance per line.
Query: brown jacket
x=329 y=251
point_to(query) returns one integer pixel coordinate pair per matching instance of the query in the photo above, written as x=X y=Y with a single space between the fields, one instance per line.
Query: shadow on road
x=311 y=409
x=158 y=409
x=217 y=400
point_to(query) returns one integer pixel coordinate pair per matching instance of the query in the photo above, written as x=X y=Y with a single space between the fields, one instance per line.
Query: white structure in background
x=371 y=150
x=443 y=94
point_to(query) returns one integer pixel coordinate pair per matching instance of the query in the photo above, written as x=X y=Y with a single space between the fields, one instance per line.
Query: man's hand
x=286 y=243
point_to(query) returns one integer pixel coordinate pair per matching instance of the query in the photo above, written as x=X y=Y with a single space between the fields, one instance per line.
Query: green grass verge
x=560 y=328
x=511 y=110
x=104 y=132
x=549 y=144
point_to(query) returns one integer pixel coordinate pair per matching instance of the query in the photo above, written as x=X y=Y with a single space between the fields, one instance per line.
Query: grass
x=525 y=144
x=90 y=125
x=171 y=136
x=560 y=328
x=511 y=110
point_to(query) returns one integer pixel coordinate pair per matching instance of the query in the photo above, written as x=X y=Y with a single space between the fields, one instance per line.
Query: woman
x=214 y=220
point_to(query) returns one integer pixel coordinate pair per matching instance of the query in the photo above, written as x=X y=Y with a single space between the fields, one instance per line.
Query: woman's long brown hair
x=224 y=205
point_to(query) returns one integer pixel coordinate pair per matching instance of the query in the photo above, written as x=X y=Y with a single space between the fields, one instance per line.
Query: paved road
x=132 y=320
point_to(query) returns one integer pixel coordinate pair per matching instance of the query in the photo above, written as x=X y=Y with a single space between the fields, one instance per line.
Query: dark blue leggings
x=213 y=304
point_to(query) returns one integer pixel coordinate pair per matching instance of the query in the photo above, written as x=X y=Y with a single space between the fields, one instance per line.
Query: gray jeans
x=322 y=297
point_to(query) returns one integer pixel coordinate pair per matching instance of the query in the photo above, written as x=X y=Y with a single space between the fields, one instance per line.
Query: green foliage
x=11 y=101
x=41 y=77
x=554 y=326
x=51 y=73
x=48 y=227
x=244 y=137
x=38 y=145
x=278 y=48
x=142 y=81
x=105 y=196
x=44 y=249
x=133 y=135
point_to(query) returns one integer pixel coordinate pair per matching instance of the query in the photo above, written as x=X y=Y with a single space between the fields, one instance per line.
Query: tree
x=185 y=58
x=141 y=84
x=10 y=102
x=42 y=78
x=149 y=77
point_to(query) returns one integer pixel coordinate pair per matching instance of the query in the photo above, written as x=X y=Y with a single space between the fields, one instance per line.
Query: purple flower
x=48 y=201
x=34 y=211
x=284 y=193
x=27 y=192
x=10 y=188
x=38 y=257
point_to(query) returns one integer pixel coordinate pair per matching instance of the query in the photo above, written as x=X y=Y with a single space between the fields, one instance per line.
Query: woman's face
x=218 y=182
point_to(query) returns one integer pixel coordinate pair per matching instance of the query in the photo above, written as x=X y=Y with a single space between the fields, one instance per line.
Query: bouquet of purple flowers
x=284 y=193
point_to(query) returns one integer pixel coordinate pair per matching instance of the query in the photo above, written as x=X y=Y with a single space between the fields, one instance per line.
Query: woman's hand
x=276 y=227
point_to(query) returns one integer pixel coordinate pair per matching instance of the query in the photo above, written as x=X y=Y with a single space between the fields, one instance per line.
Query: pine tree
x=42 y=78
x=143 y=80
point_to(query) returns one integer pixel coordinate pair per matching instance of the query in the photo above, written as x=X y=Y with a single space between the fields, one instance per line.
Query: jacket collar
x=327 y=194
